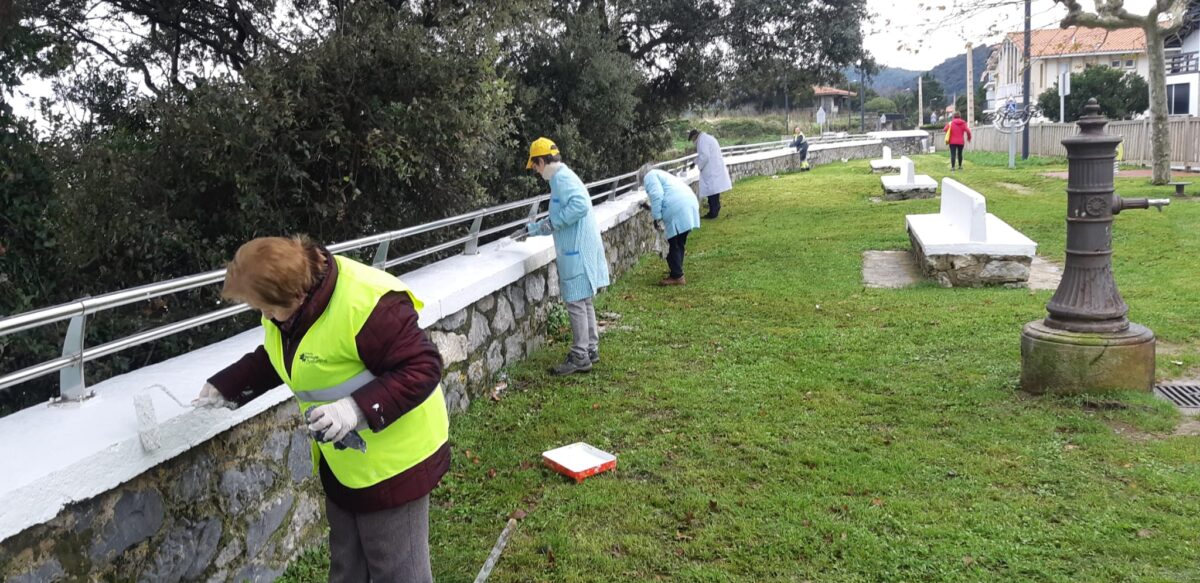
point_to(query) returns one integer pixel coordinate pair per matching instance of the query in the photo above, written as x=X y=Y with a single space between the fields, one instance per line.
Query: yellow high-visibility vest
x=327 y=367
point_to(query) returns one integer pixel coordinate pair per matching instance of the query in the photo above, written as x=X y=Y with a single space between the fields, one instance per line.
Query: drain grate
x=1187 y=396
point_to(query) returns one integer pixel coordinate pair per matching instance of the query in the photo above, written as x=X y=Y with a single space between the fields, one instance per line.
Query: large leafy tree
x=1120 y=94
x=195 y=124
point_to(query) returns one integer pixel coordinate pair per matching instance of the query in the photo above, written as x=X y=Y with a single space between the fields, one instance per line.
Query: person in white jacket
x=714 y=176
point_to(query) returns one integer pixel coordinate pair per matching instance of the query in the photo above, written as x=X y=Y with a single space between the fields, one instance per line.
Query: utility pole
x=920 y=103
x=970 y=88
x=862 y=97
x=1025 y=80
x=787 y=110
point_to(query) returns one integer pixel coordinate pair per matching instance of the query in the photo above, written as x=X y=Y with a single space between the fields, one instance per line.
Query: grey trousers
x=389 y=546
x=584 y=333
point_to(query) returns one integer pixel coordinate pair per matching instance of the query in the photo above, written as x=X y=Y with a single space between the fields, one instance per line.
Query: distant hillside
x=888 y=81
x=952 y=73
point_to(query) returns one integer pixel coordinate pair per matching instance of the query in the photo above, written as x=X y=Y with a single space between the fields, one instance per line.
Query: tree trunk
x=1160 y=139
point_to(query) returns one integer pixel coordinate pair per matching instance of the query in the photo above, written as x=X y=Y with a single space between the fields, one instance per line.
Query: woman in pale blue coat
x=579 y=252
x=675 y=211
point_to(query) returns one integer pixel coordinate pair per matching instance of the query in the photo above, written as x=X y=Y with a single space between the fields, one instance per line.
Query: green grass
x=776 y=421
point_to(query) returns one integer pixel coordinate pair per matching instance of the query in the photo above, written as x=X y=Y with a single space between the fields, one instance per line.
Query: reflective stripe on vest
x=326 y=367
x=342 y=389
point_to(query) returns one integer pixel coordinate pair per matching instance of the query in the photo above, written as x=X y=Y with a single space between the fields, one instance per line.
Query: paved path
x=1136 y=173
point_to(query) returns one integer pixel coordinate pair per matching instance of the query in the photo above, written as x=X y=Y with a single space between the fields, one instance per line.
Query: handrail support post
x=381 y=253
x=472 y=247
x=71 y=384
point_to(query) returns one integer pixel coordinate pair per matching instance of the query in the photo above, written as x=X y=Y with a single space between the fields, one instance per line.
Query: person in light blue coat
x=675 y=211
x=579 y=250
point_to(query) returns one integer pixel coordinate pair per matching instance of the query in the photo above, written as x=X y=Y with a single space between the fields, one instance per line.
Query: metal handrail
x=75 y=354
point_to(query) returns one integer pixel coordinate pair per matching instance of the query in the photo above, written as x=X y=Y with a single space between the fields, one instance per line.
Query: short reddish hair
x=273 y=271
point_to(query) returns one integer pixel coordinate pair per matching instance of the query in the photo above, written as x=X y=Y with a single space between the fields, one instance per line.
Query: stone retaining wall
x=236 y=508
x=791 y=162
x=239 y=506
x=500 y=329
x=905 y=146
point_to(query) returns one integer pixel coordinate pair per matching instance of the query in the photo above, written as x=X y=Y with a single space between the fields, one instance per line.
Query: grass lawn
x=776 y=421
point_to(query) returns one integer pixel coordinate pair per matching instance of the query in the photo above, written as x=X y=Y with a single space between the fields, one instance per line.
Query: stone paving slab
x=890 y=269
x=898 y=269
x=1044 y=275
x=1132 y=173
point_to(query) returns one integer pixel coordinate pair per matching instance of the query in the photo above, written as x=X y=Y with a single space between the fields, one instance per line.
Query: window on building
x=1130 y=63
x=1178 y=97
x=1116 y=64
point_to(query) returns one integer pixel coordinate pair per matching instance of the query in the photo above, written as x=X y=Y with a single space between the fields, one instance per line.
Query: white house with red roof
x=1058 y=50
x=831 y=99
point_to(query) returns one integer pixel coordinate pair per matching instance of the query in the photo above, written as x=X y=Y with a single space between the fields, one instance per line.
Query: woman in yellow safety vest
x=344 y=338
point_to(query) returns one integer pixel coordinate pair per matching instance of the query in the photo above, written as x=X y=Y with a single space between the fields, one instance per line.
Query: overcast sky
x=902 y=43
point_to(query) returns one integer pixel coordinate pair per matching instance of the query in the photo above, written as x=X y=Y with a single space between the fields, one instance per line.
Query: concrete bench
x=908 y=184
x=887 y=163
x=1179 y=186
x=965 y=246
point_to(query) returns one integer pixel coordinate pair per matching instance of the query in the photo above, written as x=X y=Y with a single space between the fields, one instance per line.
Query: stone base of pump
x=1061 y=362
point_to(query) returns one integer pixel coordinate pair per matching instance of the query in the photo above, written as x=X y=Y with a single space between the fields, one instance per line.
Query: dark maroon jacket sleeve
x=247 y=378
x=406 y=364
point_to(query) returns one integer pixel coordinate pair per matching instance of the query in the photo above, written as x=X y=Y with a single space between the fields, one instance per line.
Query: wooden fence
x=1046 y=140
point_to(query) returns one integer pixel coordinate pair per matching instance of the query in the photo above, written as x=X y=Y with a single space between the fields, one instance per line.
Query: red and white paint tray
x=579 y=460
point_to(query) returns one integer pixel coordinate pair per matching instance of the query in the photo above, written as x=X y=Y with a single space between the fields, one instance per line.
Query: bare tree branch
x=147 y=77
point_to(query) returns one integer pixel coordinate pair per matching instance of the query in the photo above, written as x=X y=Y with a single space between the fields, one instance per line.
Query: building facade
x=1060 y=50
x=832 y=99
x=1183 y=66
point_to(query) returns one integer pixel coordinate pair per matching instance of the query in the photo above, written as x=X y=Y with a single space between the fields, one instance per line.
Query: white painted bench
x=887 y=163
x=907 y=184
x=964 y=245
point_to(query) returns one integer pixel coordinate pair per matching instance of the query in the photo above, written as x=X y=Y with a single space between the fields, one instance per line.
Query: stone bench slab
x=965 y=246
x=937 y=236
x=895 y=188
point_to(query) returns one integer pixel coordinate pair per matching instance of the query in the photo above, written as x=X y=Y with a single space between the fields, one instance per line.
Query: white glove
x=539 y=228
x=211 y=398
x=335 y=420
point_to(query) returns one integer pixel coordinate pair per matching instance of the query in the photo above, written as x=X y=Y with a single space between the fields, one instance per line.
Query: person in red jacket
x=959 y=135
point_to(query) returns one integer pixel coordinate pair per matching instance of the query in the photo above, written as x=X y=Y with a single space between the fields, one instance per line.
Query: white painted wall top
x=847 y=144
x=899 y=134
